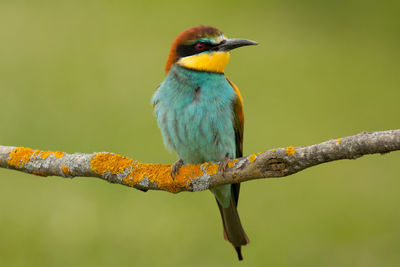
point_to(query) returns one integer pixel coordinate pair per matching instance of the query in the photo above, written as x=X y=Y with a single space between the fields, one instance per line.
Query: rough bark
x=273 y=163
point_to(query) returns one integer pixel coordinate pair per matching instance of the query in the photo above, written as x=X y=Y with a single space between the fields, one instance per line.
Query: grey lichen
x=201 y=183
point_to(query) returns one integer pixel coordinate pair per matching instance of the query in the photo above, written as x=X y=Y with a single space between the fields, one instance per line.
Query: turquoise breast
x=194 y=113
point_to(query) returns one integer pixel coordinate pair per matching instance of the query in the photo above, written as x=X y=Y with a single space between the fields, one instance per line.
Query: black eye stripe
x=189 y=50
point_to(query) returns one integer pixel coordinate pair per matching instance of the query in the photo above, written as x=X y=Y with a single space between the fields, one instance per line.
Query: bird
x=200 y=113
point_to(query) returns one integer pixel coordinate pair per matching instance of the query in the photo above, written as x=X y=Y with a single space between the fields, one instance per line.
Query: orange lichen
x=211 y=169
x=160 y=174
x=290 y=150
x=45 y=154
x=231 y=163
x=65 y=169
x=58 y=154
x=153 y=172
x=252 y=157
x=338 y=141
x=190 y=170
x=273 y=150
x=109 y=162
x=40 y=173
x=20 y=156
x=184 y=177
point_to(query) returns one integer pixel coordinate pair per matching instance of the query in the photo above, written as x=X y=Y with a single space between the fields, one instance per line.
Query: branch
x=273 y=163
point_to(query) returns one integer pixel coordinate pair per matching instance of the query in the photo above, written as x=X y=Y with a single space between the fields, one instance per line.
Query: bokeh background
x=77 y=76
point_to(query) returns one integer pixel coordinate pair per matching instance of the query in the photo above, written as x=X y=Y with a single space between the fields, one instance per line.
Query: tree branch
x=273 y=163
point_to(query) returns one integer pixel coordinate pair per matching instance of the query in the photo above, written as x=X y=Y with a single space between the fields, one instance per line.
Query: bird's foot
x=175 y=168
x=223 y=164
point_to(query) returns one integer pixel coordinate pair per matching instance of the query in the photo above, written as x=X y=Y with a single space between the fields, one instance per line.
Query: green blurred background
x=77 y=76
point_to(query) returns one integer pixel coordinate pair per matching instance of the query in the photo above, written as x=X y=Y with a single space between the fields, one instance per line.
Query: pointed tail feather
x=233 y=230
x=239 y=252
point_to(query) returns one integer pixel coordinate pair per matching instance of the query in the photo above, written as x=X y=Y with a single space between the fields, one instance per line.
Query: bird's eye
x=200 y=46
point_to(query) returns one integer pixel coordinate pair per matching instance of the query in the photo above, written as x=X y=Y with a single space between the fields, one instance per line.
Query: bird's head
x=203 y=48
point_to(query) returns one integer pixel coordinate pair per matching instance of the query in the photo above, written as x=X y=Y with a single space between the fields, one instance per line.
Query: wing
x=238 y=120
x=238 y=126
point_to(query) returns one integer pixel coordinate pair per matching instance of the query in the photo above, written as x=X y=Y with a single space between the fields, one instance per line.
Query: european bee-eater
x=200 y=113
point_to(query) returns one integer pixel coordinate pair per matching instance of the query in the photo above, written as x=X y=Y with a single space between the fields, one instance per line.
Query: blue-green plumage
x=194 y=113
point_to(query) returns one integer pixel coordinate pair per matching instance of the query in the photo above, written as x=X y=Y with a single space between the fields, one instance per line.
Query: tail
x=233 y=230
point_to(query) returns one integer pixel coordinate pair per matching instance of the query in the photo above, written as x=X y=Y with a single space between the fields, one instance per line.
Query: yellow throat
x=210 y=62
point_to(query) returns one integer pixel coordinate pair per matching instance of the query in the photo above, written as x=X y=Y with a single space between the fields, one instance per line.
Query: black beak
x=230 y=44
